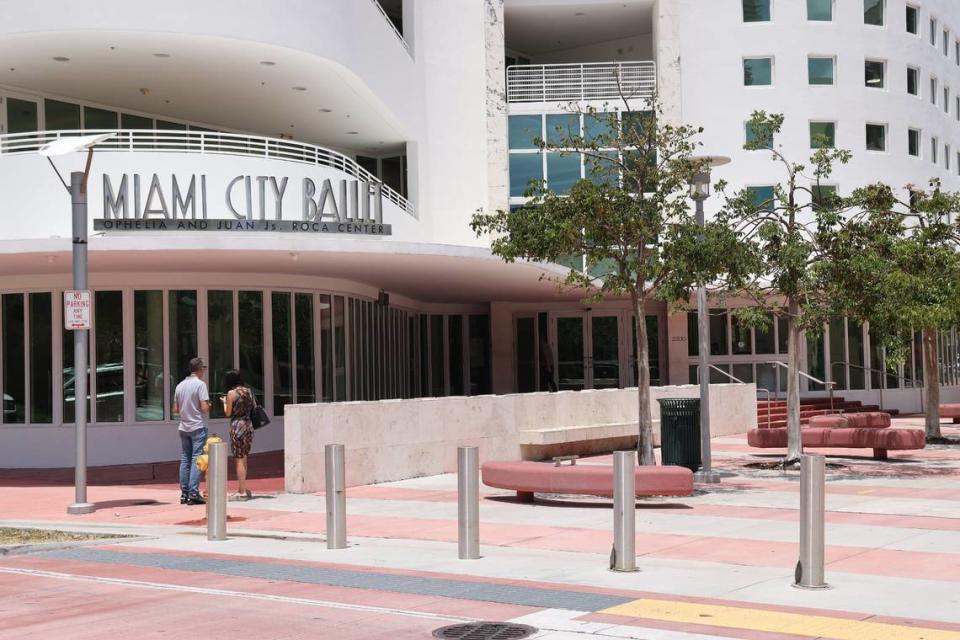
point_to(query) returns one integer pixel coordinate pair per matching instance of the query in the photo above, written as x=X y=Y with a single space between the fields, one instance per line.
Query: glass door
x=604 y=357
x=571 y=352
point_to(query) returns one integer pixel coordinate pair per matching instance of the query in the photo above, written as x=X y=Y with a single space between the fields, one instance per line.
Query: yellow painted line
x=798 y=624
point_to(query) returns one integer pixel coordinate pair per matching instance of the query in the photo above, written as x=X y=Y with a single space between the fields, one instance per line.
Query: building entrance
x=580 y=349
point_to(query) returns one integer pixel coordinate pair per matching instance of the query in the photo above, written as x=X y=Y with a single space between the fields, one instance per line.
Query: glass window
x=600 y=128
x=913 y=142
x=783 y=334
x=913 y=20
x=933 y=32
x=946 y=99
x=340 y=345
x=220 y=339
x=820 y=71
x=933 y=90
x=282 y=352
x=757 y=72
x=183 y=335
x=563 y=171
x=752 y=136
x=756 y=10
x=718 y=333
x=820 y=10
x=874 y=72
x=741 y=339
x=166 y=125
x=523 y=130
x=148 y=355
x=946 y=157
x=823 y=135
x=437 y=387
x=934 y=148
x=455 y=346
x=393 y=172
x=326 y=348
x=763 y=337
x=838 y=353
x=822 y=195
x=21 y=116
x=876 y=137
x=763 y=197
x=561 y=127
x=41 y=358
x=693 y=334
x=306 y=387
x=130 y=121
x=94 y=118
x=108 y=323
x=479 y=355
x=526 y=358
x=600 y=170
x=59 y=116
x=524 y=168
x=913 y=81
x=946 y=42
x=815 y=360
x=250 y=326
x=14 y=388
x=873 y=11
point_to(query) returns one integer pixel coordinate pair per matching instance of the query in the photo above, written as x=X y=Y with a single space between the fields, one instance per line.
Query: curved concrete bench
x=528 y=477
x=880 y=440
x=864 y=420
x=950 y=411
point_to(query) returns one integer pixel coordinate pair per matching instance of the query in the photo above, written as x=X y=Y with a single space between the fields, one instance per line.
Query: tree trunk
x=932 y=379
x=645 y=443
x=794 y=445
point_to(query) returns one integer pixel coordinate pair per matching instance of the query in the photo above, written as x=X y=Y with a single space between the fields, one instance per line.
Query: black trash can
x=680 y=432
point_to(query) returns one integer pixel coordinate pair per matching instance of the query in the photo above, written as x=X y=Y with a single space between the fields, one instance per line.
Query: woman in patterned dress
x=237 y=404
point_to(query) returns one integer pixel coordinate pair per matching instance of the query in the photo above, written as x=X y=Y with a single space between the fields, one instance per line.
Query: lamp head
x=700 y=184
x=63 y=146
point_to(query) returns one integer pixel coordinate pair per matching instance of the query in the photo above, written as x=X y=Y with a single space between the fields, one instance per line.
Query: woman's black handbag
x=259 y=417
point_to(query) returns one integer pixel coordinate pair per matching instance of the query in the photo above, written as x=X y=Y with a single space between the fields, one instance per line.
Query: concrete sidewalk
x=717 y=564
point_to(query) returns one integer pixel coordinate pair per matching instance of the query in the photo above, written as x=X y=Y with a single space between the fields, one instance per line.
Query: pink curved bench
x=950 y=411
x=528 y=477
x=864 y=420
x=862 y=431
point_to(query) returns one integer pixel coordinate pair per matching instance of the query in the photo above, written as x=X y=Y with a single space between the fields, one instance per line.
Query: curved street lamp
x=78 y=197
x=700 y=191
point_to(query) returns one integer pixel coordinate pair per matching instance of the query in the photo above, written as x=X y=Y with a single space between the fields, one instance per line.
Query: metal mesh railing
x=584 y=81
x=132 y=140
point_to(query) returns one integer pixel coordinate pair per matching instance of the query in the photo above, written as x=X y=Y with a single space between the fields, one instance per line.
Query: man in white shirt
x=192 y=402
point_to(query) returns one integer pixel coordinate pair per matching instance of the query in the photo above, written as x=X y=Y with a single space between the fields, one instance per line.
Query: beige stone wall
x=398 y=439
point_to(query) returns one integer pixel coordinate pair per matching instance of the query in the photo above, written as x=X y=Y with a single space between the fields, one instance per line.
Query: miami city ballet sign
x=248 y=203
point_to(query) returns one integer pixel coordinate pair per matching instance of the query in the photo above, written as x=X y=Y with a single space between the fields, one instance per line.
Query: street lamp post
x=700 y=191
x=78 y=198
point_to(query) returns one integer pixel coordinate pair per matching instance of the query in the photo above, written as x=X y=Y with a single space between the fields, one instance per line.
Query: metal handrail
x=829 y=385
x=581 y=81
x=738 y=380
x=392 y=26
x=871 y=370
x=212 y=142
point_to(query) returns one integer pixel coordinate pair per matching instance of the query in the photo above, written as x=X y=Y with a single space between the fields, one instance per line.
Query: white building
x=350 y=141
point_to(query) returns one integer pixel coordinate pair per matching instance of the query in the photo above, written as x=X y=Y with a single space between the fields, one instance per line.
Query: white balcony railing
x=172 y=141
x=583 y=81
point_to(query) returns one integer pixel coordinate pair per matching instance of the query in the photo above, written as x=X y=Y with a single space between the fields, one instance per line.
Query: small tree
x=794 y=235
x=909 y=269
x=629 y=220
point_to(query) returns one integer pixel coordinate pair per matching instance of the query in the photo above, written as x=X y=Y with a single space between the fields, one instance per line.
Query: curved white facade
x=715 y=40
x=290 y=187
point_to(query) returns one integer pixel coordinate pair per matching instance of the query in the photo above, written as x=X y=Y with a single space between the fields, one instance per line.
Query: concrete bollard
x=468 y=502
x=217 y=491
x=335 y=490
x=623 y=557
x=809 y=573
